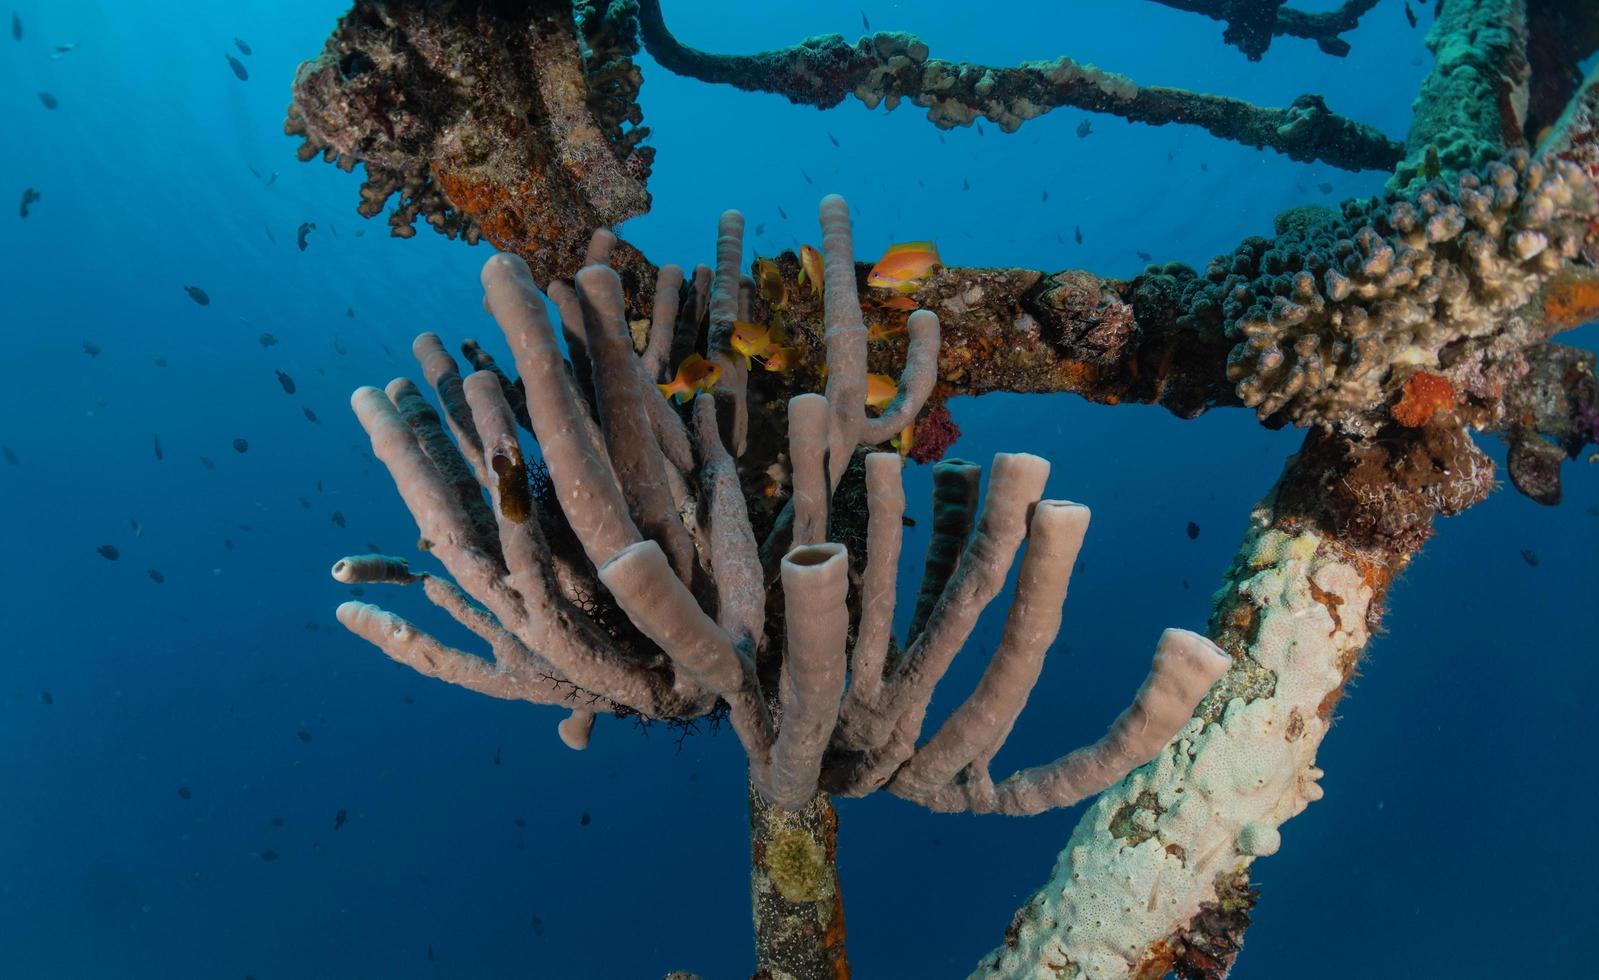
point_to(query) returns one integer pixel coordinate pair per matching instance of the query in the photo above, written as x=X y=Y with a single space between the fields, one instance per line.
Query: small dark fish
x=310 y=416
x=979 y=126
x=304 y=502
x=49 y=100
x=29 y=195
x=1044 y=198
x=184 y=793
x=520 y=823
x=1077 y=232
x=907 y=521
x=807 y=176
x=198 y=295
x=357 y=591
x=270 y=237
x=206 y=462
x=1193 y=531
x=1085 y=127
x=1143 y=256
x=156 y=445
x=241 y=446
x=11 y=455
x=159 y=361
x=1527 y=555
x=46 y=698
x=110 y=553
x=276 y=821
x=267 y=340
x=496 y=755
x=156 y=576
x=238 y=68
x=306 y=228
x=782 y=214
x=760 y=229
x=1410 y=15
x=303 y=735
x=16 y=27
x=91 y=348
x=966 y=185
x=287 y=383
x=244 y=48
x=269 y=855
x=584 y=820
x=430 y=954
x=349 y=311
x=227 y=544
x=537 y=925
x=1324 y=188
x=832 y=139
x=1059 y=237
x=338 y=518
x=1205 y=167
x=864 y=22
x=340 y=819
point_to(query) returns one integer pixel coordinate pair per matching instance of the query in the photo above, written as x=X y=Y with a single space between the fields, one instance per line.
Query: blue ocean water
x=175 y=754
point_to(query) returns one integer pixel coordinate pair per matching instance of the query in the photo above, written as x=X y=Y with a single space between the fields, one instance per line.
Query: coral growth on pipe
x=632 y=582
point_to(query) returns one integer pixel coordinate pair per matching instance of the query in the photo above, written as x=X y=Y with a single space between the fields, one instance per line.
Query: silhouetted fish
x=1044 y=198
x=10 y=454
x=184 y=794
x=310 y=416
x=832 y=139
x=227 y=544
x=45 y=698
x=1324 y=188
x=305 y=229
x=303 y=735
x=270 y=237
x=760 y=229
x=1205 y=167
x=269 y=855
x=110 y=553
x=1144 y=256
x=807 y=176
x=782 y=214
x=340 y=819
x=29 y=195
x=584 y=820
x=304 y=502
x=156 y=445
x=287 y=383
x=979 y=125
x=238 y=68
x=244 y=48
x=62 y=50
x=1527 y=555
x=1410 y=15
x=537 y=925
x=206 y=462
x=496 y=755
x=198 y=295
x=1085 y=127
x=91 y=348
x=156 y=576
x=16 y=26
x=864 y=22
x=241 y=446
x=1077 y=232
x=338 y=518
x=276 y=822
x=158 y=361
x=48 y=100
x=966 y=185
x=1193 y=530
x=267 y=340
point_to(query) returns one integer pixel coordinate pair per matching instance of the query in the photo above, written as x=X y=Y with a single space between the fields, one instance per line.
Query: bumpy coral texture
x=1332 y=317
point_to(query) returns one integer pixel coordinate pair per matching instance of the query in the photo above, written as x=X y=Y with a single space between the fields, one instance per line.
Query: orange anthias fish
x=769 y=280
x=897 y=302
x=810 y=268
x=781 y=359
x=880 y=390
x=876 y=331
x=751 y=340
x=903 y=266
x=694 y=375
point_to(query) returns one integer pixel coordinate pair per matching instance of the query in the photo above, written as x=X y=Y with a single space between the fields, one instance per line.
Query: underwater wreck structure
x=1388 y=329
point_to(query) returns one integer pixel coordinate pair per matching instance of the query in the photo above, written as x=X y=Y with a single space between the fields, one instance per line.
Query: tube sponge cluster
x=1331 y=318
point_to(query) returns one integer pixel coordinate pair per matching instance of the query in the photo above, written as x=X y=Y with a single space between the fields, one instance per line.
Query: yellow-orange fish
x=694 y=375
x=781 y=359
x=876 y=331
x=880 y=390
x=769 y=282
x=750 y=340
x=903 y=441
x=905 y=265
x=898 y=302
x=810 y=268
